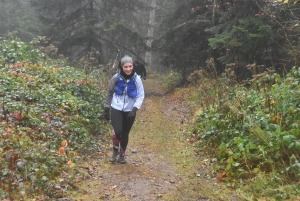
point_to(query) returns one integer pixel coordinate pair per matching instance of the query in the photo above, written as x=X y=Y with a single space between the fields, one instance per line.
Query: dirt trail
x=161 y=163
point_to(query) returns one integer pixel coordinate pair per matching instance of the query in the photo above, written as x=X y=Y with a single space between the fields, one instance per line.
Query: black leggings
x=121 y=125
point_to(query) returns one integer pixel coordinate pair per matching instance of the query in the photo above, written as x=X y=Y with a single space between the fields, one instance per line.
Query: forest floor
x=162 y=162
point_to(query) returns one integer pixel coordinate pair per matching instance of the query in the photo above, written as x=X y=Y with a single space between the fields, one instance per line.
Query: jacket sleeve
x=140 y=93
x=110 y=90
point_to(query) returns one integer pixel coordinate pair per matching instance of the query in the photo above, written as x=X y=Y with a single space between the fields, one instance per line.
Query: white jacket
x=124 y=102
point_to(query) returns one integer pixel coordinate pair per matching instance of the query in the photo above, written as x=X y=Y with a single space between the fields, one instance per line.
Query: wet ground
x=161 y=160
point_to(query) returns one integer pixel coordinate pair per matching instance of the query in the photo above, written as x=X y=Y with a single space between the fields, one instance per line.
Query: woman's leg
x=116 y=121
x=127 y=125
x=122 y=126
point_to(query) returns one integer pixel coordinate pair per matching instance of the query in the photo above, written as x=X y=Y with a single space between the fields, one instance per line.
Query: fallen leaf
x=70 y=163
x=219 y=176
x=48 y=119
x=112 y=188
x=64 y=143
x=61 y=150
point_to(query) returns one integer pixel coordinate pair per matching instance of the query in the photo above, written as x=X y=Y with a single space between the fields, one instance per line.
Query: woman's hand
x=132 y=113
x=107 y=113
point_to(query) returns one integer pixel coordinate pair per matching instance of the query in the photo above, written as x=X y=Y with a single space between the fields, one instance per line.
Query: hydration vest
x=122 y=84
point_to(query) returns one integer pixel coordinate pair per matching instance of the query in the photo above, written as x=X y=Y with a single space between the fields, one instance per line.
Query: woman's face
x=127 y=68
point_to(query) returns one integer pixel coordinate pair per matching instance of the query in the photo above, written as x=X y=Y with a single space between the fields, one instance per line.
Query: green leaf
x=251 y=145
x=297 y=145
x=291 y=145
x=228 y=166
x=288 y=139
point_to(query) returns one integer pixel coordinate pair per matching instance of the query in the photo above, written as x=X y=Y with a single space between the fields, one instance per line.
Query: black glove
x=106 y=113
x=144 y=77
x=132 y=113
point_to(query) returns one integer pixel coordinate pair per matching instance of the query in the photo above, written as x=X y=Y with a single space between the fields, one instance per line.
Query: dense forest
x=180 y=35
x=242 y=57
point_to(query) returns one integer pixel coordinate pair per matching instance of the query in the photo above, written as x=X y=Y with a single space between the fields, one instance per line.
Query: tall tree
x=184 y=43
x=241 y=37
x=17 y=18
x=91 y=28
x=285 y=21
x=236 y=32
x=252 y=32
x=148 y=56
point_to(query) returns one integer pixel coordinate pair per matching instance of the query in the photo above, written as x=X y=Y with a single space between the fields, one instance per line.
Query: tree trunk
x=89 y=45
x=148 y=55
x=214 y=12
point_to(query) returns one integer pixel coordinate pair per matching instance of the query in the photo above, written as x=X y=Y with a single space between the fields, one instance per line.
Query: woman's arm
x=140 y=93
x=110 y=90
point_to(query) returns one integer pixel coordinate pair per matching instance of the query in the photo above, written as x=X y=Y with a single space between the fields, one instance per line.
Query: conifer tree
x=285 y=20
x=238 y=32
x=241 y=37
x=17 y=18
x=183 y=43
x=253 y=32
x=91 y=28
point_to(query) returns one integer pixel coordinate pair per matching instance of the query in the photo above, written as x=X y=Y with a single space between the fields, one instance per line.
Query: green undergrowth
x=170 y=81
x=253 y=129
x=50 y=114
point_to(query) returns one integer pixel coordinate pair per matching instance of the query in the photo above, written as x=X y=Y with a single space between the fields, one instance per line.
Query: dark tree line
x=91 y=28
x=234 y=33
x=16 y=17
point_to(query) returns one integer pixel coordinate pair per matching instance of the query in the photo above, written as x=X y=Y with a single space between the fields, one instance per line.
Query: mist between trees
x=166 y=35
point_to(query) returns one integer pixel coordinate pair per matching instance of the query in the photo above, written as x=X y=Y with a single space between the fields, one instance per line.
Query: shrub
x=254 y=130
x=171 y=80
x=48 y=114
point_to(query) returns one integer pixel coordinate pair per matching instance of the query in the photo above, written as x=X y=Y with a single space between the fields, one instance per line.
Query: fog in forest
x=165 y=35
